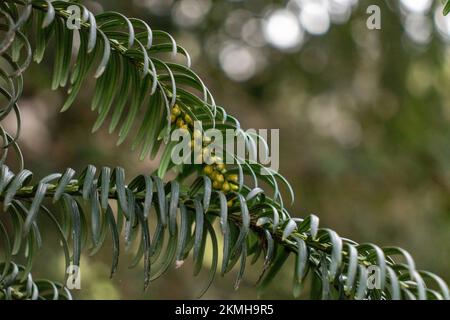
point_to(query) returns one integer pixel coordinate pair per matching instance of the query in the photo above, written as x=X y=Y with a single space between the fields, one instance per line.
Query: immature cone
x=208 y=170
x=233 y=178
x=226 y=187
x=220 y=167
x=219 y=178
x=180 y=123
x=188 y=119
x=176 y=110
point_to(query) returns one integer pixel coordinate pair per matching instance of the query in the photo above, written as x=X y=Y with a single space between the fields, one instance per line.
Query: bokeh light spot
x=314 y=18
x=237 y=61
x=416 y=6
x=282 y=30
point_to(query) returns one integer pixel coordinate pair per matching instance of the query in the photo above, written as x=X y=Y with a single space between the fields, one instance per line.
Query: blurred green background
x=364 y=118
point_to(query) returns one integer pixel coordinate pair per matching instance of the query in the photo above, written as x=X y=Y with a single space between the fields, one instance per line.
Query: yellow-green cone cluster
x=216 y=171
x=221 y=180
x=181 y=119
